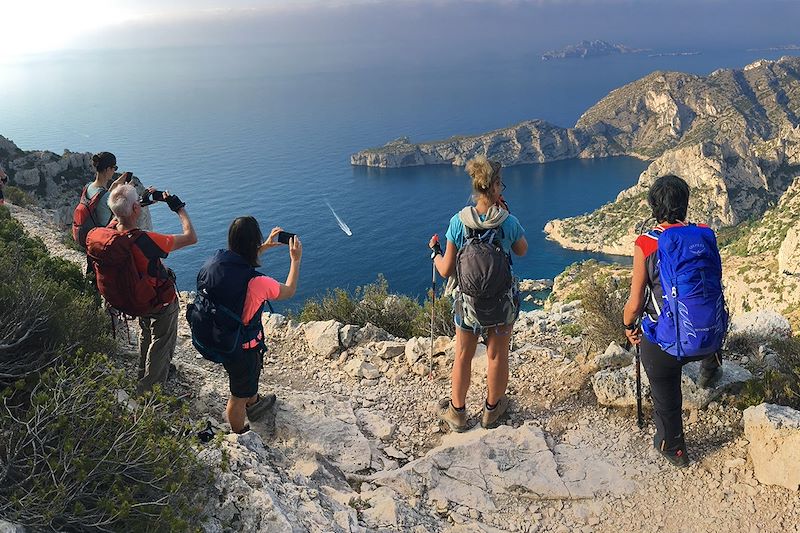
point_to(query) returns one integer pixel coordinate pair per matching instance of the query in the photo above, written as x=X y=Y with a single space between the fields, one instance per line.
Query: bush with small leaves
x=17 y=196
x=369 y=303
x=79 y=457
x=779 y=385
x=44 y=312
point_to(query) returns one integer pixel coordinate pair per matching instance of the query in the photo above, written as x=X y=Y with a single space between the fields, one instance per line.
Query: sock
x=491 y=407
x=459 y=409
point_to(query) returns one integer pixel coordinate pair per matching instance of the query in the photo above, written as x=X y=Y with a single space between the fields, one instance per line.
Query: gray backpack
x=487 y=293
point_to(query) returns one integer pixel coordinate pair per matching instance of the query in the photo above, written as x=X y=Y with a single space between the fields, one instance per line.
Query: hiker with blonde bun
x=480 y=239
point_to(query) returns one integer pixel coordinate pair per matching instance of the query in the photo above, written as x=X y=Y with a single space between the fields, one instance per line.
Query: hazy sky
x=452 y=28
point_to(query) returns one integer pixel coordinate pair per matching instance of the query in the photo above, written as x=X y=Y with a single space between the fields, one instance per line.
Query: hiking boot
x=456 y=420
x=490 y=416
x=709 y=378
x=676 y=457
x=257 y=410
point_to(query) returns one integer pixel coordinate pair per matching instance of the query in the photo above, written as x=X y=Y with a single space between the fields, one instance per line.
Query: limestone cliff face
x=733 y=136
x=54 y=181
x=534 y=141
x=760 y=264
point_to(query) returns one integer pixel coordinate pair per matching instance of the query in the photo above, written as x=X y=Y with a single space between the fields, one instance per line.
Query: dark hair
x=669 y=199
x=244 y=238
x=103 y=160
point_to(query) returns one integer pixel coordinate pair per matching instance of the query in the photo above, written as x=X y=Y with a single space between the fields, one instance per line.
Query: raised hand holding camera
x=174 y=203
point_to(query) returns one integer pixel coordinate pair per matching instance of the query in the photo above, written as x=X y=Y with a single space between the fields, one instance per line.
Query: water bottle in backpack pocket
x=692 y=318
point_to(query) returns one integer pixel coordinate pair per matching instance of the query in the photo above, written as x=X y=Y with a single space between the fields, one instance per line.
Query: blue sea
x=258 y=131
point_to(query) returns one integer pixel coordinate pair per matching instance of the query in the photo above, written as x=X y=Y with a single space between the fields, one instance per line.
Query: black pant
x=664 y=373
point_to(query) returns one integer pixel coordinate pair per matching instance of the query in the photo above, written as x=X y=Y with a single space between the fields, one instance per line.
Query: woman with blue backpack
x=226 y=315
x=480 y=240
x=676 y=310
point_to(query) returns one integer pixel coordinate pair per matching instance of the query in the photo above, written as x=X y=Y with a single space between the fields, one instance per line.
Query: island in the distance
x=584 y=49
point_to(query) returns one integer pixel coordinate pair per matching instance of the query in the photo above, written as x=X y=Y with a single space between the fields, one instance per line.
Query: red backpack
x=121 y=284
x=83 y=216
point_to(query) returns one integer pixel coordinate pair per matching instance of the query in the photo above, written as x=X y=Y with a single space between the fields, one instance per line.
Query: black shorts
x=244 y=372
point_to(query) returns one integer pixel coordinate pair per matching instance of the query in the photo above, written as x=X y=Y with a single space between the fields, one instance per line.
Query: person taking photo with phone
x=230 y=300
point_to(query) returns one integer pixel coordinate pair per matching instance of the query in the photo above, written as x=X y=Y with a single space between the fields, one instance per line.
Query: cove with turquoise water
x=237 y=131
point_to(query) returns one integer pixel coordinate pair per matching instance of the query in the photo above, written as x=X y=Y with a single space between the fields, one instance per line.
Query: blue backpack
x=692 y=318
x=214 y=317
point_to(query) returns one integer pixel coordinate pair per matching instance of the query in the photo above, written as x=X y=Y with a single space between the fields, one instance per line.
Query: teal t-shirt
x=512 y=232
x=102 y=213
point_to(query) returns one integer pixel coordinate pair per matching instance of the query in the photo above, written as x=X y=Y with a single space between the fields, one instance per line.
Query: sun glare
x=35 y=26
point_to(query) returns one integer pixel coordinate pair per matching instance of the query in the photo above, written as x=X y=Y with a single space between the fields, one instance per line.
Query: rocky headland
x=584 y=49
x=734 y=135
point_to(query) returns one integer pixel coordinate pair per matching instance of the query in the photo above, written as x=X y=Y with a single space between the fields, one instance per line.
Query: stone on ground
x=762 y=324
x=481 y=469
x=323 y=337
x=617 y=387
x=774 y=435
x=324 y=425
x=615 y=356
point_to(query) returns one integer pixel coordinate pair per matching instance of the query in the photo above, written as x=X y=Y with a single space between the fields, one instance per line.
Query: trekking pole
x=436 y=250
x=639 y=415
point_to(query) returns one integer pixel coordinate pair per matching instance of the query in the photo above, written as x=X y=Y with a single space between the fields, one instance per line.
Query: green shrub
x=442 y=318
x=44 y=315
x=399 y=315
x=779 y=385
x=75 y=457
x=369 y=303
x=17 y=196
x=571 y=330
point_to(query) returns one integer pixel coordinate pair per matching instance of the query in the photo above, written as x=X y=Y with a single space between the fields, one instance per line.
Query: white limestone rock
x=617 y=387
x=347 y=335
x=789 y=252
x=416 y=349
x=371 y=333
x=762 y=324
x=272 y=323
x=390 y=349
x=615 y=356
x=695 y=397
x=773 y=432
x=323 y=337
x=326 y=426
x=375 y=425
x=480 y=469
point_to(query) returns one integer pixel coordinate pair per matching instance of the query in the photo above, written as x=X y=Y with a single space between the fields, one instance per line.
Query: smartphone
x=284 y=236
x=128 y=177
x=158 y=196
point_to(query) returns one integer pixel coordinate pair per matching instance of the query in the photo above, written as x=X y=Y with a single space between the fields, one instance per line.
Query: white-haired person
x=160 y=324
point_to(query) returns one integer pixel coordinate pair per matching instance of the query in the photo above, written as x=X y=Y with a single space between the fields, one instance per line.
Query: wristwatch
x=630 y=327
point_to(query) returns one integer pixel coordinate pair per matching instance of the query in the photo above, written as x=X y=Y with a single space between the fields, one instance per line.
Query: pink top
x=259 y=289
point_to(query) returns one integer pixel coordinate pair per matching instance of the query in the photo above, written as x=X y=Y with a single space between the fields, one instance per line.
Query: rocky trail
x=354 y=443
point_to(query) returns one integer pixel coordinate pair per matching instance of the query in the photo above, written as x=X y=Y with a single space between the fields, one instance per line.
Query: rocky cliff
x=733 y=135
x=53 y=181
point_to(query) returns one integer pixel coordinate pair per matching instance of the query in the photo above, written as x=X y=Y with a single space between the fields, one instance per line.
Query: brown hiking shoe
x=490 y=417
x=457 y=421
